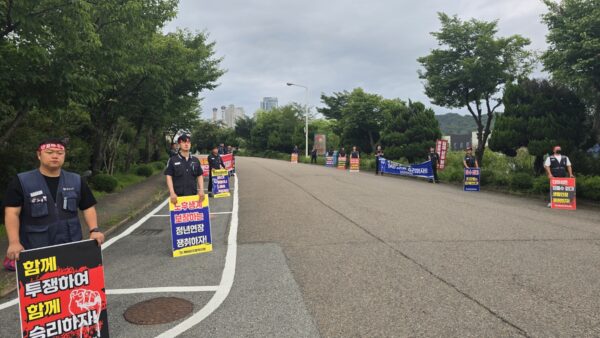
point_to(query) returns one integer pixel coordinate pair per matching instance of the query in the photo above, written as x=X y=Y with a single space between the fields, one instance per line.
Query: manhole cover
x=159 y=310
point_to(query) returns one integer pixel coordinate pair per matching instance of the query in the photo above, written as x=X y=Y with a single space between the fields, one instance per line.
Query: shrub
x=487 y=177
x=521 y=181
x=144 y=170
x=501 y=179
x=452 y=174
x=104 y=182
x=589 y=187
x=541 y=184
x=159 y=165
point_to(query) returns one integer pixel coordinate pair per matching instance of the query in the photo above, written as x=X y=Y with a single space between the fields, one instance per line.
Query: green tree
x=472 y=68
x=539 y=115
x=409 y=130
x=279 y=129
x=573 y=56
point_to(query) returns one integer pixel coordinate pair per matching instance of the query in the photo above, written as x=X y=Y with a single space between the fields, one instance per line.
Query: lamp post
x=305 y=117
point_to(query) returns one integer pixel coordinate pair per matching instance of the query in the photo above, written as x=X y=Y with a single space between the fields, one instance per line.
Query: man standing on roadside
x=434 y=158
x=214 y=162
x=470 y=161
x=184 y=173
x=558 y=165
x=313 y=156
x=41 y=205
x=378 y=154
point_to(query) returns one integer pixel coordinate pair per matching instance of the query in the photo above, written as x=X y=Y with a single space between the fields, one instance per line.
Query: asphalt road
x=325 y=252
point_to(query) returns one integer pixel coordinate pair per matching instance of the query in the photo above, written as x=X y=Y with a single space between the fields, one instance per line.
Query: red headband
x=57 y=146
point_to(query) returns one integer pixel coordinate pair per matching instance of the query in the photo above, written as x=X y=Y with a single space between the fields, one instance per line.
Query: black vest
x=185 y=175
x=43 y=221
x=558 y=169
x=470 y=161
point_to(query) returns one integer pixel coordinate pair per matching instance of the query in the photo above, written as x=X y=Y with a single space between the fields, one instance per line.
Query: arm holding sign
x=11 y=219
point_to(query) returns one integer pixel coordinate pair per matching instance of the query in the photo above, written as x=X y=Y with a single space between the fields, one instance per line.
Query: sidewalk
x=113 y=210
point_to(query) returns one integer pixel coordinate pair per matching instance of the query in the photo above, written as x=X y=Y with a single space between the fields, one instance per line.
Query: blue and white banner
x=416 y=170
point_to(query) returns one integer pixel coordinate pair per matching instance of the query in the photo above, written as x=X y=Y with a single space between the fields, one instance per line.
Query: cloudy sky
x=334 y=45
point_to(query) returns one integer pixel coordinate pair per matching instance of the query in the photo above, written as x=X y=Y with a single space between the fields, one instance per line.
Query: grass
x=125 y=180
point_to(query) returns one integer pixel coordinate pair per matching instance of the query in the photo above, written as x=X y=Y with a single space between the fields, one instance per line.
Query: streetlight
x=306 y=116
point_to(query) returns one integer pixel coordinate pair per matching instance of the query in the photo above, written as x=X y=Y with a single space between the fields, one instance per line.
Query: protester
x=354 y=153
x=470 y=161
x=378 y=154
x=184 y=172
x=230 y=150
x=342 y=152
x=173 y=151
x=214 y=162
x=313 y=156
x=435 y=159
x=41 y=205
x=558 y=165
x=295 y=150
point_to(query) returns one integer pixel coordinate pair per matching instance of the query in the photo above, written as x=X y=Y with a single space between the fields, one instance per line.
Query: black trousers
x=313 y=159
x=435 y=175
x=210 y=181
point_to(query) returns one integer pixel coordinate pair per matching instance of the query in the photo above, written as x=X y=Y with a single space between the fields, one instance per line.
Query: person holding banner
x=434 y=158
x=184 y=172
x=470 y=161
x=41 y=205
x=378 y=154
x=354 y=153
x=558 y=165
x=214 y=162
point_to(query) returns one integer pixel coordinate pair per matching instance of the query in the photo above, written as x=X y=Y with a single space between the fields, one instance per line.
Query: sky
x=335 y=45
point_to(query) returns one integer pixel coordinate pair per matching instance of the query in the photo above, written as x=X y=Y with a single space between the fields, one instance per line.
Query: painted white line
x=222 y=213
x=161 y=215
x=107 y=243
x=226 y=279
x=9 y=304
x=163 y=289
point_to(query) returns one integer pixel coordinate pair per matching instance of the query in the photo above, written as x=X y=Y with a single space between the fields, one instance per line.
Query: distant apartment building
x=269 y=103
x=231 y=114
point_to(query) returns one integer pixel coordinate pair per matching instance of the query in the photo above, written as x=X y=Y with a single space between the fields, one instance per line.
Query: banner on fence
x=220 y=183
x=190 y=226
x=472 y=178
x=562 y=193
x=441 y=147
x=416 y=170
x=341 y=163
x=294 y=158
x=354 y=165
x=61 y=291
x=329 y=161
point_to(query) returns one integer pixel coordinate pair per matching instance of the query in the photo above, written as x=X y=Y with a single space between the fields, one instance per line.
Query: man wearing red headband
x=41 y=205
x=558 y=165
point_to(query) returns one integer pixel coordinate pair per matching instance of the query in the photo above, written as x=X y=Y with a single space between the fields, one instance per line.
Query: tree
x=472 y=69
x=539 y=115
x=573 y=56
x=279 y=129
x=409 y=130
x=357 y=115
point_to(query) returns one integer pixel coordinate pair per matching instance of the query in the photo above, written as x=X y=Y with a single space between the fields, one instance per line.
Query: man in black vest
x=470 y=161
x=434 y=158
x=184 y=173
x=40 y=207
x=214 y=162
x=558 y=165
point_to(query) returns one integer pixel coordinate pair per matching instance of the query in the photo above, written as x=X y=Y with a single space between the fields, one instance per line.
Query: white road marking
x=226 y=279
x=161 y=215
x=9 y=304
x=212 y=213
x=163 y=289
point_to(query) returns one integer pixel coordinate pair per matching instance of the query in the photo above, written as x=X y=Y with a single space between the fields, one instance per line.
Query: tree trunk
x=17 y=121
x=133 y=146
x=371 y=141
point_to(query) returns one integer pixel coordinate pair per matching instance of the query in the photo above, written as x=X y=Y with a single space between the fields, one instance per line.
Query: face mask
x=557 y=152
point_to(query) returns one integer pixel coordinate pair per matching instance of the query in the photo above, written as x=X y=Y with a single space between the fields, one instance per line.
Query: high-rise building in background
x=215 y=111
x=268 y=103
x=231 y=114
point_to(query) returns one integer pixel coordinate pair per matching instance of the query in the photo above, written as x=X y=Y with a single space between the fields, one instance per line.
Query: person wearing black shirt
x=214 y=162
x=435 y=159
x=354 y=153
x=313 y=156
x=184 y=173
x=40 y=206
x=378 y=154
x=470 y=161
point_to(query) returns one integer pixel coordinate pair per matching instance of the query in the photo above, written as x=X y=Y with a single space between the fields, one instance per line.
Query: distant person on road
x=342 y=152
x=295 y=150
x=378 y=154
x=470 y=161
x=313 y=156
x=354 y=153
x=435 y=159
x=184 y=172
x=330 y=152
x=41 y=206
x=214 y=162
x=230 y=150
x=558 y=165
x=222 y=150
x=174 y=150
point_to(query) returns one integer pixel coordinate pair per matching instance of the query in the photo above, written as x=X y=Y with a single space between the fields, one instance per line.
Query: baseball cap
x=183 y=138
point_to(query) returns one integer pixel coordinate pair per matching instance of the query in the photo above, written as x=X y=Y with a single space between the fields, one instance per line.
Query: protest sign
x=562 y=193
x=228 y=161
x=423 y=170
x=472 y=176
x=190 y=226
x=329 y=161
x=341 y=163
x=294 y=158
x=220 y=183
x=204 y=164
x=354 y=165
x=441 y=147
x=61 y=291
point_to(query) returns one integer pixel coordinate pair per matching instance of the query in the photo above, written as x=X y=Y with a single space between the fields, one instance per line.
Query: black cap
x=183 y=137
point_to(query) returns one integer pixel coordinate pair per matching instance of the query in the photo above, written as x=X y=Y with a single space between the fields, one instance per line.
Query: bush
x=589 y=187
x=501 y=179
x=104 y=182
x=521 y=181
x=452 y=174
x=159 y=165
x=144 y=170
x=487 y=177
x=541 y=184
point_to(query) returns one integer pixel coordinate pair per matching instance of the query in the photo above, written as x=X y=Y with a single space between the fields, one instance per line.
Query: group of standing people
x=331 y=153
